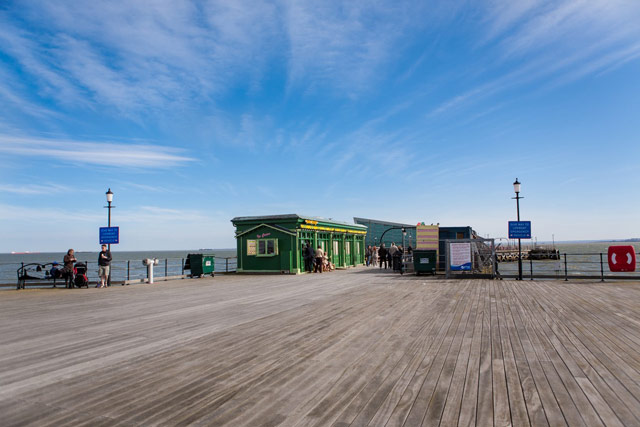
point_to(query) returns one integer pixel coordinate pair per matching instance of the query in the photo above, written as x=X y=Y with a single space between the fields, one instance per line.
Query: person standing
x=104 y=266
x=319 y=260
x=308 y=258
x=67 y=270
x=374 y=256
x=382 y=256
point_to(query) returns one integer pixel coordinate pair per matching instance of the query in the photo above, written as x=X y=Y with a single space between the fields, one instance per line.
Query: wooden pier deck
x=350 y=348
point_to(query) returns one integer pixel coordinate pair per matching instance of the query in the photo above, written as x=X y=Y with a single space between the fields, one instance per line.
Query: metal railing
x=569 y=266
x=121 y=271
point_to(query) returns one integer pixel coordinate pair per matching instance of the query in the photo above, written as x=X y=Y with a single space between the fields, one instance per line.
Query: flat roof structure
x=353 y=347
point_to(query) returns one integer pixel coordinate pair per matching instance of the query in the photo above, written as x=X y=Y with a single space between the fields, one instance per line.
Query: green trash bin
x=424 y=261
x=201 y=264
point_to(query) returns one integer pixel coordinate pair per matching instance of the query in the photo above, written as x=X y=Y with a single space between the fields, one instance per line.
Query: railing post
x=166 y=267
x=128 y=270
x=601 y=269
x=183 y=266
x=226 y=268
x=21 y=285
x=531 y=267
x=566 y=278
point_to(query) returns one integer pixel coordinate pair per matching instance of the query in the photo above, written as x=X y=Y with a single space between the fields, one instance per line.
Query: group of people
x=316 y=260
x=390 y=258
x=69 y=261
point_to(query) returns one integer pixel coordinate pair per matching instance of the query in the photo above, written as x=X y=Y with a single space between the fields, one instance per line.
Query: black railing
x=122 y=271
x=569 y=266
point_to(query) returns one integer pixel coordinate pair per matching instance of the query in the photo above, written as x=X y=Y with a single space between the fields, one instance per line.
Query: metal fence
x=569 y=266
x=121 y=271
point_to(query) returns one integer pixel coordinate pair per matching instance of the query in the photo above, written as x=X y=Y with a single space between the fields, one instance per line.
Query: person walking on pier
x=319 y=260
x=374 y=256
x=104 y=265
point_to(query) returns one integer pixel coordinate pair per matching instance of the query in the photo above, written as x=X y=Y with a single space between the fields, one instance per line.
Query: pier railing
x=568 y=266
x=122 y=271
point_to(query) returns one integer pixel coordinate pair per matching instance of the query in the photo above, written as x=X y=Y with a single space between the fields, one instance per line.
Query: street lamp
x=516 y=189
x=404 y=234
x=109 y=195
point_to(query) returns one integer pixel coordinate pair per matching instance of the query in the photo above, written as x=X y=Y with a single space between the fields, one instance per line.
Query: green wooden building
x=274 y=244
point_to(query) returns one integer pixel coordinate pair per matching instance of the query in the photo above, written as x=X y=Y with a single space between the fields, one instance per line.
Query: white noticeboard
x=460 y=256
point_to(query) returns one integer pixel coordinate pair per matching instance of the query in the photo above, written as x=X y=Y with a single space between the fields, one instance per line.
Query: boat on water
x=537 y=253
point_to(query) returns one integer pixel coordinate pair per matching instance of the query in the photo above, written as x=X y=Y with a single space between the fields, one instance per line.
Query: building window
x=267 y=247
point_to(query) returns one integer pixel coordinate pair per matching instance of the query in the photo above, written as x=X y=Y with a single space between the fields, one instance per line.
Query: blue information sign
x=519 y=229
x=109 y=235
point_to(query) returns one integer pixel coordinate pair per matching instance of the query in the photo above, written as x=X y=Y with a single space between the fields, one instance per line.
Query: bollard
x=150 y=262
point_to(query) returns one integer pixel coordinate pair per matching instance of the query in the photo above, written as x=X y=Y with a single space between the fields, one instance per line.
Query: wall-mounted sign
x=460 y=256
x=427 y=237
x=263 y=235
x=251 y=247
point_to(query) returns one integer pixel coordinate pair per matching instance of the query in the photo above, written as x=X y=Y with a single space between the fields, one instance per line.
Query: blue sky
x=196 y=112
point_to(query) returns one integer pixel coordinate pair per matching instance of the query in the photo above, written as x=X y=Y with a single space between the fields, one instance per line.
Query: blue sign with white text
x=109 y=235
x=519 y=229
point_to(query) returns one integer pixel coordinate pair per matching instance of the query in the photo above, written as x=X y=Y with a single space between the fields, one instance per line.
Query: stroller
x=80 y=275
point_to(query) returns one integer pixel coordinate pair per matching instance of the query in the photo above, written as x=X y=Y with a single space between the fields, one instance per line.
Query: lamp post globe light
x=516 y=189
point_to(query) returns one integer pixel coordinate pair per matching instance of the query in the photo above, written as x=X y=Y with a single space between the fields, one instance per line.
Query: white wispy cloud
x=552 y=43
x=138 y=57
x=155 y=215
x=35 y=189
x=343 y=45
x=92 y=152
x=53 y=216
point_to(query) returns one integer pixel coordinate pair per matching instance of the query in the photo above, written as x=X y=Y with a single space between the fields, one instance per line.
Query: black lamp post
x=109 y=194
x=404 y=234
x=516 y=189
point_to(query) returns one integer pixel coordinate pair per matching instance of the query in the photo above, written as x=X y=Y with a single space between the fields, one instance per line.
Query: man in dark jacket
x=104 y=265
x=308 y=255
x=382 y=256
